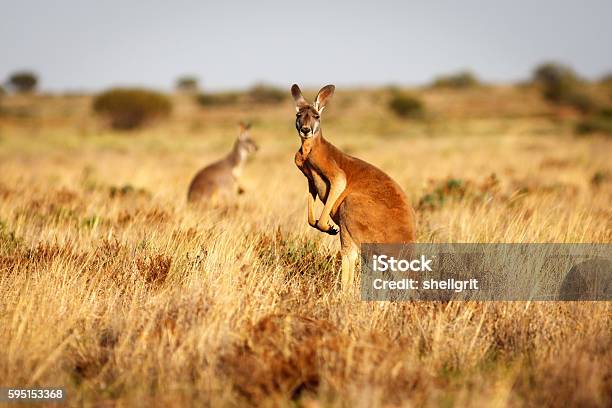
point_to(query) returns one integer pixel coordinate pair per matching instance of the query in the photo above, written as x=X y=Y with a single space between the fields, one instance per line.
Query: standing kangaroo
x=360 y=201
x=221 y=178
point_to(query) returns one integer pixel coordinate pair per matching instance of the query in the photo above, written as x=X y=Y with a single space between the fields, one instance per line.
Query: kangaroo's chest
x=321 y=185
x=236 y=172
x=311 y=172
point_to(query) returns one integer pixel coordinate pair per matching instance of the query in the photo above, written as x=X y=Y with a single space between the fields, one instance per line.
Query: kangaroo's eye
x=316 y=116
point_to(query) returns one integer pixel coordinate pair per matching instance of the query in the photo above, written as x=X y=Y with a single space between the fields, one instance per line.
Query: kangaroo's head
x=308 y=117
x=244 y=144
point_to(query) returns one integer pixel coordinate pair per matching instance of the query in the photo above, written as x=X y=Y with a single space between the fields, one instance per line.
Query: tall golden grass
x=114 y=288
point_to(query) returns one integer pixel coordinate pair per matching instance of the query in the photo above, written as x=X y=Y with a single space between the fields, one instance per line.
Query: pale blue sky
x=92 y=44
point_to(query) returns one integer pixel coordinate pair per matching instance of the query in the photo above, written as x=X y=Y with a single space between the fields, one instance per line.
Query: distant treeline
x=130 y=108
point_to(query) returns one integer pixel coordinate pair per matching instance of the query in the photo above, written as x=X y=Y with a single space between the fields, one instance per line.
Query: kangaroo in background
x=360 y=201
x=221 y=178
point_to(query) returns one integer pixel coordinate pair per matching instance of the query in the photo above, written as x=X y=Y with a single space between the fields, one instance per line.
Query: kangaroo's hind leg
x=350 y=252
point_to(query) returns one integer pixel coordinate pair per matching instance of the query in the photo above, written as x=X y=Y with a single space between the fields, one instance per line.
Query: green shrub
x=600 y=177
x=561 y=85
x=218 y=99
x=606 y=83
x=129 y=108
x=259 y=94
x=599 y=123
x=556 y=80
x=456 y=190
x=606 y=80
x=606 y=113
x=23 y=81
x=266 y=94
x=460 y=80
x=580 y=100
x=187 y=84
x=445 y=190
x=406 y=106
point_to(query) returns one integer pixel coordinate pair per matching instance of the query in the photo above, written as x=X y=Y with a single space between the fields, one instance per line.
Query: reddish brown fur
x=371 y=208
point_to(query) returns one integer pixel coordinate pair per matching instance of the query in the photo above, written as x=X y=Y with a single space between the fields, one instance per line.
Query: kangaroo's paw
x=329 y=227
x=333 y=229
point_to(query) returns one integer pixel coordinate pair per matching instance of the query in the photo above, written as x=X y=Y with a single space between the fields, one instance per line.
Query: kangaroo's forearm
x=337 y=187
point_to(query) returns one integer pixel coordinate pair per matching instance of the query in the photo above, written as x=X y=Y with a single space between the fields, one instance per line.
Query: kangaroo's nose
x=305 y=130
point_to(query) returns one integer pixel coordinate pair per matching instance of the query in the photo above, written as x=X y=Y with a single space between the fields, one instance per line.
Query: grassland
x=114 y=288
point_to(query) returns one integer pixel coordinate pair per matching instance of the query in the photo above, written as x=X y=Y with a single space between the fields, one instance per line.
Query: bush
x=218 y=99
x=460 y=80
x=406 y=106
x=580 y=100
x=600 y=123
x=23 y=81
x=454 y=189
x=187 y=84
x=606 y=80
x=266 y=94
x=259 y=94
x=556 y=81
x=561 y=85
x=606 y=83
x=129 y=108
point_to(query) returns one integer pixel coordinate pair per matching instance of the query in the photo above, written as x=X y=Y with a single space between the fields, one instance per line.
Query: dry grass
x=111 y=286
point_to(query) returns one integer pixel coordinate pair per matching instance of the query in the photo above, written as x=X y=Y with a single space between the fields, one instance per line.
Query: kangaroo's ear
x=299 y=99
x=244 y=126
x=323 y=97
